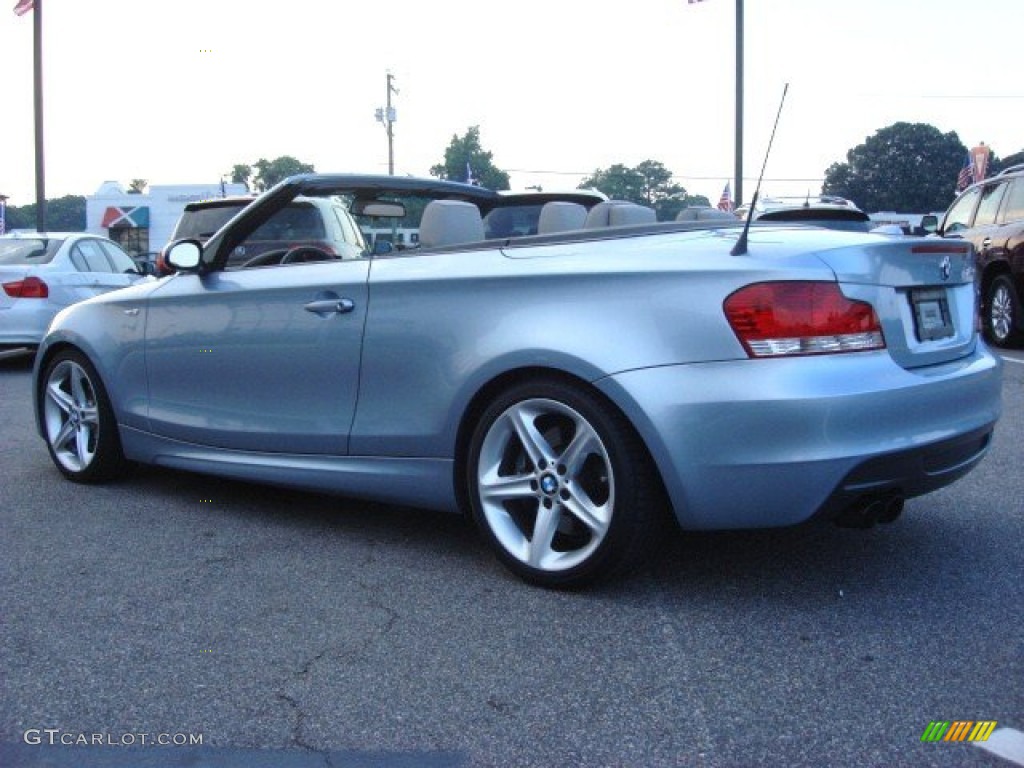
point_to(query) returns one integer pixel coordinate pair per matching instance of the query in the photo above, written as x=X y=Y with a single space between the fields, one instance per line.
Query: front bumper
x=765 y=443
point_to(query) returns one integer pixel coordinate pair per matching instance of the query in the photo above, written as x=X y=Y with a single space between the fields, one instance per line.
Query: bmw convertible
x=573 y=389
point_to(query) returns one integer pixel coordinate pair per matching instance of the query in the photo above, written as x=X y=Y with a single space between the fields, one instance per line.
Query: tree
x=137 y=187
x=649 y=183
x=63 y=214
x=465 y=156
x=903 y=167
x=996 y=166
x=270 y=172
x=241 y=174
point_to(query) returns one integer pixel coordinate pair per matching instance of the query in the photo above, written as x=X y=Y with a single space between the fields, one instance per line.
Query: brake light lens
x=29 y=288
x=801 y=318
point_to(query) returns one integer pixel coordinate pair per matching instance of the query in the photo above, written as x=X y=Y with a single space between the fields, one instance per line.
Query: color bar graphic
x=958 y=730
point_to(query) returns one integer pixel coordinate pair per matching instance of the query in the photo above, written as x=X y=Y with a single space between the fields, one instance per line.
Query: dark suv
x=991 y=215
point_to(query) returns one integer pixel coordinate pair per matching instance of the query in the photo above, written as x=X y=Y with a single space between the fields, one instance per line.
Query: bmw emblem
x=946 y=268
x=548 y=484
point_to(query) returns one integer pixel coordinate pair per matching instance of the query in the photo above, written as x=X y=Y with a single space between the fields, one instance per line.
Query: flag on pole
x=979 y=157
x=469 y=174
x=24 y=6
x=725 y=201
x=966 y=177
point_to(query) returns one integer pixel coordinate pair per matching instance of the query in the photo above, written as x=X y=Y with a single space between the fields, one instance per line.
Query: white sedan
x=41 y=273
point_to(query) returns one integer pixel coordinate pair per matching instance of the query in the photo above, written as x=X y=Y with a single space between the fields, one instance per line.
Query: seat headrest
x=616 y=213
x=559 y=216
x=449 y=222
x=703 y=213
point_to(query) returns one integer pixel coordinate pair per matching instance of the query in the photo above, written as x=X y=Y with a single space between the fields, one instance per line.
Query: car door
x=263 y=359
x=989 y=242
x=93 y=273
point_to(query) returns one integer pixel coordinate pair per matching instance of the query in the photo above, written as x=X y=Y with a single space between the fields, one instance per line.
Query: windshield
x=299 y=221
x=204 y=222
x=28 y=251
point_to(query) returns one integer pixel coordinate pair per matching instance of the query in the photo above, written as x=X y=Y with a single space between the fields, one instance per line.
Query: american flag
x=966 y=177
x=725 y=201
x=24 y=6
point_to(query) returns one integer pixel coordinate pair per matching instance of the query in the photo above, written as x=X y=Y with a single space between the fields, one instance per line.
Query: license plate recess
x=932 y=320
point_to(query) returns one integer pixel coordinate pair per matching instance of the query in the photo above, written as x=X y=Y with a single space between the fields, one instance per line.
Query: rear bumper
x=906 y=474
x=765 y=443
x=25 y=321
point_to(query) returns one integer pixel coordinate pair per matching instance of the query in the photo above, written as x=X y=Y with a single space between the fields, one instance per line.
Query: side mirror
x=382 y=247
x=185 y=255
x=930 y=223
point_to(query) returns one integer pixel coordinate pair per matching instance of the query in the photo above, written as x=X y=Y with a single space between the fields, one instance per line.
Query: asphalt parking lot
x=288 y=629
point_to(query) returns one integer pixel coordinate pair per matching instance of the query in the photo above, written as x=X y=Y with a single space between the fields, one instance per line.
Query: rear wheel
x=78 y=421
x=1002 y=312
x=560 y=485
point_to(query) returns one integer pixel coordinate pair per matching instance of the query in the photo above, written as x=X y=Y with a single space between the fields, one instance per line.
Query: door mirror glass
x=185 y=255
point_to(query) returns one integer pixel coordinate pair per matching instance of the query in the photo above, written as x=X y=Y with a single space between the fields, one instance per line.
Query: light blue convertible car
x=571 y=389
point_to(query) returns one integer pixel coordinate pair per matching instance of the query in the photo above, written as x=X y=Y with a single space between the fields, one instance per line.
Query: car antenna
x=741 y=245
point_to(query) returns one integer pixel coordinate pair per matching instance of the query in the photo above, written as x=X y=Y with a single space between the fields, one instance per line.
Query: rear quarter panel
x=442 y=325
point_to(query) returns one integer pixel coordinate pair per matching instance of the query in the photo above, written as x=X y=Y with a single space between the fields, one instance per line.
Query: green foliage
x=649 y=183
x=241 y=174
x=903 y=167
x=270 y=172
x=63 y=214
x=466 y=152
x=137 y=186
x=997 y=165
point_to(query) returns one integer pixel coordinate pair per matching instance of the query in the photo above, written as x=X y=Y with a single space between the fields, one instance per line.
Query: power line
x=716 y=177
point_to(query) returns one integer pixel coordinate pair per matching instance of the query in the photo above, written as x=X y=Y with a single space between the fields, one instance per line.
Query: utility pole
x=387 y=116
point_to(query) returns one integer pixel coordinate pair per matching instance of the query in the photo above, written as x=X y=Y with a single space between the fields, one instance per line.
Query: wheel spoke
x=90 y=416
x=591 y=515
x=58 y=396
x=82 y=435
x=78 y=390
x=533 y=441
x=63 y=436
x=495 y=488
x=584 y=442
x=543 y=535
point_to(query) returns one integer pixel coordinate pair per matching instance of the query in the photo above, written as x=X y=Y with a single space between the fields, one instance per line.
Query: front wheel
x=560 y=485
x=78 y=421
x=1002 y=312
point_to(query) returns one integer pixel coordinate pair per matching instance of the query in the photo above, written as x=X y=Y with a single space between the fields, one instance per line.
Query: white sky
x=178 y=91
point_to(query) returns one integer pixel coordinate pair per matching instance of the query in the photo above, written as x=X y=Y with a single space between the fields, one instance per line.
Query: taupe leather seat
x=704 y=213
x=617 y=213
x=450 y=222
x=560 y=216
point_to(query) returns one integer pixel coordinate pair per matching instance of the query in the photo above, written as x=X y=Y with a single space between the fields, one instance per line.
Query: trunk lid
x=922 y=289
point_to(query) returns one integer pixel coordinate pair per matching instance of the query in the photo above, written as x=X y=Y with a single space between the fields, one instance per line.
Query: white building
x=142 y=223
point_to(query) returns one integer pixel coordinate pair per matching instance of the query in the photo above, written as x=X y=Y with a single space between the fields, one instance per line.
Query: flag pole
x=37 y=72
x=738 y=190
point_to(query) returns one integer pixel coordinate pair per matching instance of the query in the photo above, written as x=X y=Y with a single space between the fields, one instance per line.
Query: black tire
x=1002 y=313
x=78 y=421
x=586 y=485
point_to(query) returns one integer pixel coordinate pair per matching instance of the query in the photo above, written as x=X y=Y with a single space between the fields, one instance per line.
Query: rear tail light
x=28 y=288
x=801 y=318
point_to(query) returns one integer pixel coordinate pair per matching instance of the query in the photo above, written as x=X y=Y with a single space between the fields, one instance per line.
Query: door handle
x=325 y=307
